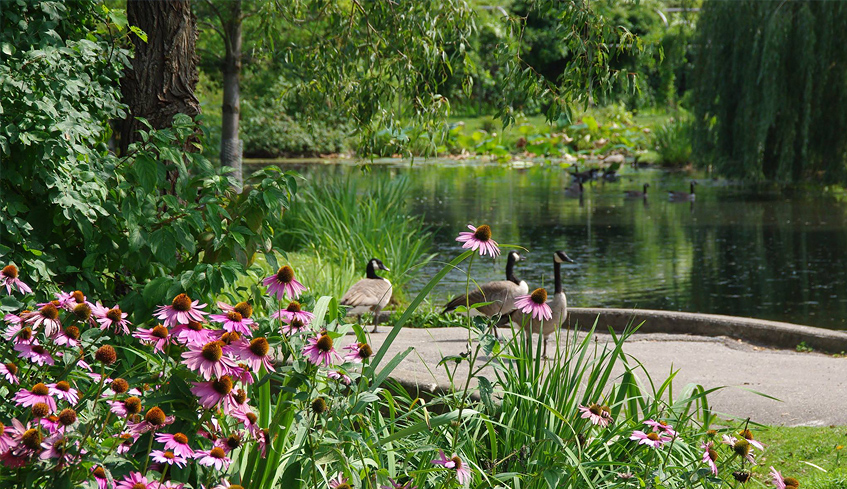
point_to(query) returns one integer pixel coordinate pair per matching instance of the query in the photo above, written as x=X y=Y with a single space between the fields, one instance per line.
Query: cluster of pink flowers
x=662 y=433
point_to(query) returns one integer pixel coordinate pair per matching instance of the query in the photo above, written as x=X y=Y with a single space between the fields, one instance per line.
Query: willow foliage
x=771 y=90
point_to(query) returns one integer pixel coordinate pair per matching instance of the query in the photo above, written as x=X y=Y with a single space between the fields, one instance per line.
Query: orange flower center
x=212 y=351
x=233 y=442
x=195 y=326
x=181 y=303
x=67 y=417
x=457 y=460
x=72 y=332
x=223 y=385
x=155 y=416
x=119 y=385
x=49 y=311
x=234 y=316
x=159 y=331
x=12 y=368
x=10 y=271
x=24 y=334
x=365 y=350
x=217 y=452
x=39 y=410
x=653 y=436
x=285 y=274
x=40 y=389
x=243 y=308
x=169 y=455
x=31 y=439
x=293 y=306
x=132 y=405
x=539 y=296
x=240 y=396
x=82 y=311
x=39 y=349
x=99 y=473
x=78 y=296
x=260 y=347
x=115 y=314
x=252 y=417
x=181 y=438
x=63 y=386
x=325 y=343
x=482 y=233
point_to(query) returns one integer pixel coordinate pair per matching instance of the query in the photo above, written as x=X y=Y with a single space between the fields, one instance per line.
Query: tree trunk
x=164 y=69
x=231 y=145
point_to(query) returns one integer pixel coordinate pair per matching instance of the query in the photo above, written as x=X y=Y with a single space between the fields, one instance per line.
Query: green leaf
x=147 y=172
x=138 y=32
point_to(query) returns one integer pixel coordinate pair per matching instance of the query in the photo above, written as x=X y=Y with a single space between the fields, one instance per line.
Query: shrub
x=672 y=142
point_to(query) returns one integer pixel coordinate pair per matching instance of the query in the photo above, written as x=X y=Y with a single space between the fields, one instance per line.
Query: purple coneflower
x=47 y=315
x=479 y=238
x=284 y=284
x=214 y=392
x=597 y=414
x=463 y=473
x=63 y=390
x=111 y=318
x=6 y=441
x=153 y=420
x=740 y=447
x=661 y=427
x=69 y=337
x=167 y=457
x=246 y=417
x=9 y=278
x=535 y=304
x=783 y=482
x=69 y=300
x=652 y=439
x=181 y=311
x=359 y=352
x=54 y=447
x=18 y=333
x=293 y=311
x=256 y=353
x=393 y=484
x=10 y=372
x=127 y=440
x=234 y=320
x=208 y=359
x=176 y=442
x=35 y=353
x=339 y=376
x=134 y=480
x=748 y=435
x=100 y=477
x=339 y=482
x=242 y=374
x=39 y=393
x=319 y=350
x=292 y=326
x=51 y=424
x=710 y=456
x=157 y=337
x=193 y=332
x=216 y=457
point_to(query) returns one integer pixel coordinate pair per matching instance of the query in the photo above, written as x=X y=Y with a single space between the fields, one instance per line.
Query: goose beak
x=383 y=267
x=568 y=259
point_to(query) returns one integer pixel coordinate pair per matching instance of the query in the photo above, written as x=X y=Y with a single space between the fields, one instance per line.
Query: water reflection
x=739 y=250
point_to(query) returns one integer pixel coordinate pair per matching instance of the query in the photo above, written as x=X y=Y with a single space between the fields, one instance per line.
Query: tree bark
x=231 y=145
x=164 y=73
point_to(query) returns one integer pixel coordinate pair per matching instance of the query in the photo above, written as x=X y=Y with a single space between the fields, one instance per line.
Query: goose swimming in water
x=635 y=194
x=683 y=196
x=371 y=294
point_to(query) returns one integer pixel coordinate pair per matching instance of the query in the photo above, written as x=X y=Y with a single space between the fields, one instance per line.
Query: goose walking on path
x=371 y=294
x=682 y=196
x=501 y=293
x=635 y=194
x=558 y=304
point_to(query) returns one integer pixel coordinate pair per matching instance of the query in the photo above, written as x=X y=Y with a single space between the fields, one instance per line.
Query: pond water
x=742 y=250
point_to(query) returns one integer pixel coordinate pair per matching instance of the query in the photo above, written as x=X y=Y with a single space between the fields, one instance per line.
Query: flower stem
x=147 y=457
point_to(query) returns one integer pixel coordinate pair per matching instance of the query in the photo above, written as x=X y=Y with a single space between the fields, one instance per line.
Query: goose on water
x=501 y=293
x=558 y=304
x=371 y=294
x=635 y=194
x=683 y=196
x=575 y=190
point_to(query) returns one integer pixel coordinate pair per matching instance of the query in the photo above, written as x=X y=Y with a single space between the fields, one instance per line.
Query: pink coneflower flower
x=233 y=320
x=13 y=319
x=172 y=485
x=393 y=484
x=35 y=353
x=168 y=457
x=69 y=300
x=284 y=284
x=783 y=482
x=130 y=405
x=48 y=316
x=177 y=442
x=214 y=392
x=181 y=311
x=157 y=337
x=661 y=427
x=359 y=352
x=216 y=457
x=293 y=311
x=710 y=456
x=100 y=477
x=9 y=278
x=597 y=414
x=535 y=304
x=463 y=473
x=6 y=441
x=292 y=326
x=209 y=360
x=134 y=480
x=339 y=376
x=154 y=419
x=247 y=418
x=256 y=354
x=339 y=482
x=18 y=333
x=39 y=393
x=242 y=374
x=319 y=350
x=50 y=423
x=748 y=435
x=740 y=447
x=111 y=318
x=10 y=372
x=193 y=332
x=68 y=336
x=479 y=239
x=127 y=440
x=27 y=439
x=231 y=442
x=53 y=447
x=63 y=390
x=652 y=439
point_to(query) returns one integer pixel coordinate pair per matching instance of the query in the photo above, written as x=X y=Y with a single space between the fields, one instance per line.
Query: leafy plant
x=672 y=142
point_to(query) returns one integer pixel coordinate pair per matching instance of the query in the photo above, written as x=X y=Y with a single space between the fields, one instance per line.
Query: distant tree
x=771 y=90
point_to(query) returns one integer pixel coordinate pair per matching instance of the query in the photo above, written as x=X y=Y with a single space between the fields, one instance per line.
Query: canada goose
x=501 y=293
x=558 y=304
x=683 y=196
x=574 y=190
x=635 y=194
x=582 y=177
x=370 y=294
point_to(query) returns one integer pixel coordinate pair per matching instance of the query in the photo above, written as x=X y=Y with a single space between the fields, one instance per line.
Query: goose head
x=376 y=263
x=561 y=257
x=515 y=256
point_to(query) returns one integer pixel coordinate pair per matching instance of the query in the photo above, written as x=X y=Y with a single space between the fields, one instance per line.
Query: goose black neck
x=510 y=270
x=645 y=189
x=557 y=276
x=692 y=188
x=371 y=272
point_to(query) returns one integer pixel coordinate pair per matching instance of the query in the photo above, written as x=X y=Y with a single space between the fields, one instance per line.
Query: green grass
x=791 y=450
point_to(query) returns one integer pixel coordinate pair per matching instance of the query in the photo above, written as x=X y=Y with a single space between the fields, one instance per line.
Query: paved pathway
x=812 y=387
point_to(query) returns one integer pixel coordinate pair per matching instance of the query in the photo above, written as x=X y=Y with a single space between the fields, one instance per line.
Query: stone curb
x=773 y=334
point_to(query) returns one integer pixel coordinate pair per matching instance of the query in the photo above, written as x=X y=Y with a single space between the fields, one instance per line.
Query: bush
x=672 y=142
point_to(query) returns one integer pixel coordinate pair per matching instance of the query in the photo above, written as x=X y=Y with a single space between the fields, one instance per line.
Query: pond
x=743 y=250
